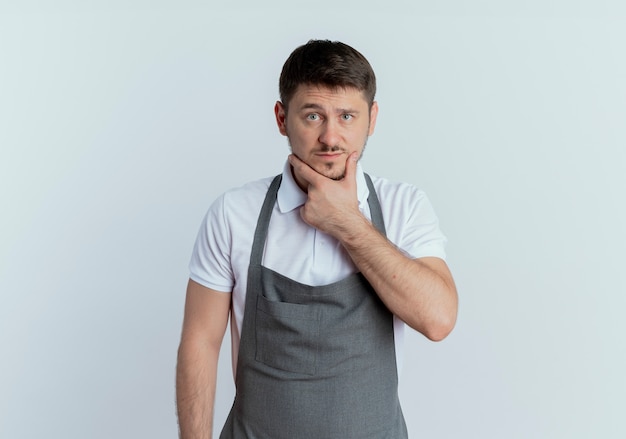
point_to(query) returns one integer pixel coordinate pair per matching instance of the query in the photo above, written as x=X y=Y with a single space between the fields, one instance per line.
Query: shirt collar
x=290 y=196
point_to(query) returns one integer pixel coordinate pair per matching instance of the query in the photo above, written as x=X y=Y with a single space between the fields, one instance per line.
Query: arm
x=206 y=317
x=421 y=292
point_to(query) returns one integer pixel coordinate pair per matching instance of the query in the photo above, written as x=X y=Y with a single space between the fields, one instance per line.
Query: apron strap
x=260 y=233
x=375 y=210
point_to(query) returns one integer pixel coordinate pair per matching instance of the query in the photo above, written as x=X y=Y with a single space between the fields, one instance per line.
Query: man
x=319 y=269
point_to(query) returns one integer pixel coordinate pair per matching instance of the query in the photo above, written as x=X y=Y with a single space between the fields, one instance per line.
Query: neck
x=301 y=183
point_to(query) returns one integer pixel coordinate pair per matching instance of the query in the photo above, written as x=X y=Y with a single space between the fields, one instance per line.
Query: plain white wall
x=121 y=121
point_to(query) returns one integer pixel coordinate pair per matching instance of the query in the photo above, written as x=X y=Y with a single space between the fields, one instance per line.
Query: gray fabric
x=314 y=362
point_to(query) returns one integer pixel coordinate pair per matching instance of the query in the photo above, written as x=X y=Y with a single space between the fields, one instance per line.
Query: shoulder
x=236 y=207
x=394 y=193
x=403 y=204
x=245 y=197
x=410 y=219
x=251 y=189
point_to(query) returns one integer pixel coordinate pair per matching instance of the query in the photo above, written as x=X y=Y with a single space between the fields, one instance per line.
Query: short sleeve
x=420 y=233
x=210 y=264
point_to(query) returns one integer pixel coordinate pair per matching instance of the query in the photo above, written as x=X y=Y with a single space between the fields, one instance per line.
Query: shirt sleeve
x=210 y=260
x=421 y=236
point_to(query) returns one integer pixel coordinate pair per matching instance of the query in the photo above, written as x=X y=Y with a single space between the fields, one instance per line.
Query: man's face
x=325 y=125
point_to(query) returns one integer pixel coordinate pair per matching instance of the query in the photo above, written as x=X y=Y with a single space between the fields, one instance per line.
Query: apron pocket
x=287 y=335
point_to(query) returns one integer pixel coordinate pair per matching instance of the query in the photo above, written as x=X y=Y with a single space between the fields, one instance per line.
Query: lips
x=329 y=154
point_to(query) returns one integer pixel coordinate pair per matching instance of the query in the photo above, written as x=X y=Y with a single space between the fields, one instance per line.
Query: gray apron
x=314 y=362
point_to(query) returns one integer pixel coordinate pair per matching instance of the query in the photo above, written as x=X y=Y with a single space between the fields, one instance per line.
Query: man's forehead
x=311 y=94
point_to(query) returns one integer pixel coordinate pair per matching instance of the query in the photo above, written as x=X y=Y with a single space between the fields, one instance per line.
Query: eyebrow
x=313 y=106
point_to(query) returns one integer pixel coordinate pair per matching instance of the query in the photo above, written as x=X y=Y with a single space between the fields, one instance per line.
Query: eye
x=346 y=116
x=313 y=116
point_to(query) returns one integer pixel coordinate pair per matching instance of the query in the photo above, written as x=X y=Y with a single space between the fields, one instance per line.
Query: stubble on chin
x=336 y=175
x=330 y=170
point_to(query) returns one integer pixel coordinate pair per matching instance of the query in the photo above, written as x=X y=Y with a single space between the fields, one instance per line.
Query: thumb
x=351 y=163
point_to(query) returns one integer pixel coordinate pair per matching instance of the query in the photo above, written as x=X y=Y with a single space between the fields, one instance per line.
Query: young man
x=319 y=269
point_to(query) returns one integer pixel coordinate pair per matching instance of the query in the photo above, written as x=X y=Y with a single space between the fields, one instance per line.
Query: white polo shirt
x=221 y=254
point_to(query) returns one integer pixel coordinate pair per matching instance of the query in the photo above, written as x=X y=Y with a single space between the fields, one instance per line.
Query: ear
x=373 y=116
x=281 y=117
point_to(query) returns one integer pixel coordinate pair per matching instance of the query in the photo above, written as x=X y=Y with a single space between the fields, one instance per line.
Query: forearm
x=420 y=292
x=196 y=374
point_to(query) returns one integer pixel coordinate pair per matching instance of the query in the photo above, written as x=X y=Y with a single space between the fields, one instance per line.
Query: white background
x=121 y=121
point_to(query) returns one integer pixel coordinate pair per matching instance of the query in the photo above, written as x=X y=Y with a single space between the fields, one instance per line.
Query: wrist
x=354 y=231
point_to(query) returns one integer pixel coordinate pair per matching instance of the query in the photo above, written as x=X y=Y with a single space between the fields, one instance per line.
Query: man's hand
x=332 y=205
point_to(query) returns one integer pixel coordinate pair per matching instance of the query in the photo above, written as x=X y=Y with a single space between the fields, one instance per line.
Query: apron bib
x=314 y=362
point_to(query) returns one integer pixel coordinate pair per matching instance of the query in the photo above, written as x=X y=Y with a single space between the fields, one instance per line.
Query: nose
x=329 y=134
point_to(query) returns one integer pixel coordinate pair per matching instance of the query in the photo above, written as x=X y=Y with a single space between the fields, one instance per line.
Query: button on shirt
x=294 y=249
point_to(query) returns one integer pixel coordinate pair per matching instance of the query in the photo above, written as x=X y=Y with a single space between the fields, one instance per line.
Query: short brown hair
x=329 y=63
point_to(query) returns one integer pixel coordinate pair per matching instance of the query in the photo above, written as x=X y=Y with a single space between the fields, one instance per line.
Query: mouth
x=328 y=155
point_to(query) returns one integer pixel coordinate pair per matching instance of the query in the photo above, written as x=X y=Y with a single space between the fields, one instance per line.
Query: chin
x=333 y=174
